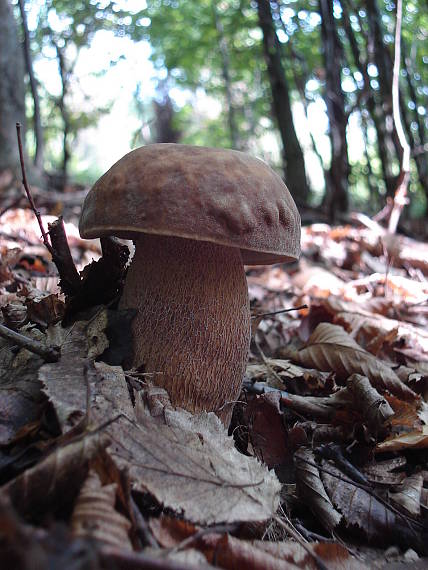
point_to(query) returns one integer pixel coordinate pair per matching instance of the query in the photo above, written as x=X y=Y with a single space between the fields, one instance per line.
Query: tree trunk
x=294 y=164
x=420 y=158
x=384 y=143
x=225 y=71
x=337 y=194
x=62 y=104
x=38 y=130
x=166 y=132
x=382 y=60
x=12 y=90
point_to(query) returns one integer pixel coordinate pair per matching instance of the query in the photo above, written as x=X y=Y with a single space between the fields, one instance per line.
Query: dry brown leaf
x=330 y=348
x=14 y=314
x=56 y=479
x=409 y=495
x=231 y=553
x=169 y=531
x=381 y=472
x=190 y=466
x=44 y=308
x=64 y=381
x=370 y=326
x=95 y=517
x=21 y=398
x=374 y=408
x=283 y=374
x=365 y=514
x=311 y=489
x=266 y=430
x=417 y=439
x=318 y=282
x=335 y=556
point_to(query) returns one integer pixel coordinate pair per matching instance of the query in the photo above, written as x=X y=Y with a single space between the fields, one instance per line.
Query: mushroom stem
x=193 y=320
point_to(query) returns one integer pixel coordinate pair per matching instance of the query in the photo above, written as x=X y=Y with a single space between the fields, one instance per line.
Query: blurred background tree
x=305 y=84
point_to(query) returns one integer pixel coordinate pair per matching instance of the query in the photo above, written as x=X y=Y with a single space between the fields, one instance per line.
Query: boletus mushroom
x=196 y=216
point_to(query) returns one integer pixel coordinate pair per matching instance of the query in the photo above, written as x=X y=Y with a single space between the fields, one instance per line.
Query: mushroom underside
x=192 y=328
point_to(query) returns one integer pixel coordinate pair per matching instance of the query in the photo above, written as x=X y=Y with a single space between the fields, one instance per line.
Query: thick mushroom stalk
x=193 y=321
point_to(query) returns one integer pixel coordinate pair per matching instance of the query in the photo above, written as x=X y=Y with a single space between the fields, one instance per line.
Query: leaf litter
x=326 y=464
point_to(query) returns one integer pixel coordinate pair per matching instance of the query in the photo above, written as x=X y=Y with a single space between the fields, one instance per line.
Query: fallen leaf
x=365 y=514
x=21 y=398
x=56 y=479
x=94 y=516
x=330 y=348
x=312 y=491
x=417 y=439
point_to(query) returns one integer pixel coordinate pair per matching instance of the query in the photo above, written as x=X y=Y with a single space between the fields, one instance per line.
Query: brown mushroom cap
x=205 y=194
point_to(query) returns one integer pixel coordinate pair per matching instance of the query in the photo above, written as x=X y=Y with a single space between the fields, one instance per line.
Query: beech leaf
x=330 y=348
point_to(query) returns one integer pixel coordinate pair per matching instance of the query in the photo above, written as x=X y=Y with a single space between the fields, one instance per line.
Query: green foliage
x=193 y=40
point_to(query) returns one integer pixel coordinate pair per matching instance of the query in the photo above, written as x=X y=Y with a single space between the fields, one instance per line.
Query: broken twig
x=61 y=256
x=48 y=353
x=28 y=191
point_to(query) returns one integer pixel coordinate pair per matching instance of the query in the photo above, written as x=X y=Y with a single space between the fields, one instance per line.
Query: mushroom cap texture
x=205 y=194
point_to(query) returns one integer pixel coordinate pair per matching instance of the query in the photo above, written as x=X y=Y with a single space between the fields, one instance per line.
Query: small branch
x=262 y=315
x=400 y=198
x=61 y=256
x=50 y=354
x=143 y=529
x=28 y=191
x=288 y=526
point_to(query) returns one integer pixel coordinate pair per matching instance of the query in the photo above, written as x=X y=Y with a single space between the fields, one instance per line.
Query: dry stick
x=288 y=526
x=28 y=192
x=262 y=315
x=400 y=198
x=142 y=527
x=61 y=255
x=58 y=247
x=50 y=354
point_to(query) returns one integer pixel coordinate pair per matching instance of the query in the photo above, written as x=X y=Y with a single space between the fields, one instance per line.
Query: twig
x=143 y=530
x=400 y=198
x=262 y=315
x=50 y=353
x=61 y=256
x=217 y=529
x=28 y=191
x=287 y=525
x=58 y=246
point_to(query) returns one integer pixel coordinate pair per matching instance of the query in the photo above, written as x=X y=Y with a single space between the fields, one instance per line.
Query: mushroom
x=196 y=216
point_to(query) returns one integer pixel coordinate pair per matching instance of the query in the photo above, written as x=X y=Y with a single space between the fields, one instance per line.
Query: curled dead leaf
x=330 y=348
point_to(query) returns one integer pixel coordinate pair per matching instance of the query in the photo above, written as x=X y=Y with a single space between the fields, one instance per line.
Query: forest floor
x=327 y=464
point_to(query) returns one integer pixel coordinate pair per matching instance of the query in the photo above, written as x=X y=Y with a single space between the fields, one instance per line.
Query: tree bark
x=420 y=158
x=164 y=123
x=382 y=60
x=294 y=164
x=337 y=194
x=384 y=141
x=12 y=90
x=62 y=104
x=225 y=70
x=38 y=130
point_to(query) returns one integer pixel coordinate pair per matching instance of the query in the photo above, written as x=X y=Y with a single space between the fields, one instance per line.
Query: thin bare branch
x=48 y=353
x=28 y=191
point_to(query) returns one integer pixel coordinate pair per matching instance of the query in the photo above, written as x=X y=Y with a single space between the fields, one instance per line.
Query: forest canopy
x=306 y=85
